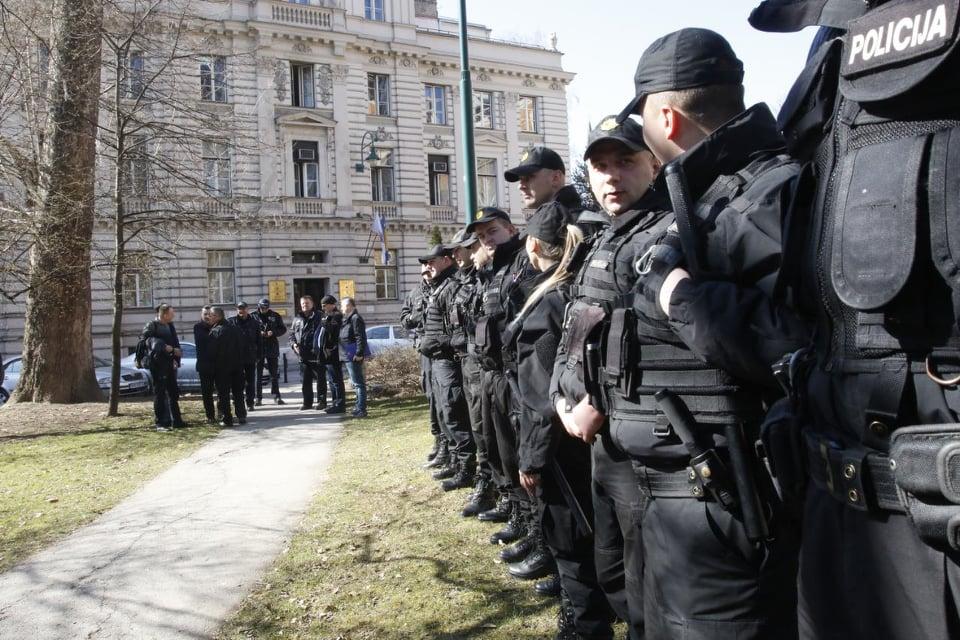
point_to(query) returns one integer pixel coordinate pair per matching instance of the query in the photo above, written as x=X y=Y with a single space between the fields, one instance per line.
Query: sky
x=602 y=40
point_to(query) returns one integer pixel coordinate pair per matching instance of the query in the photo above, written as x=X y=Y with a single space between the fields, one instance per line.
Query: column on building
x=514 y=149
x=341 y=136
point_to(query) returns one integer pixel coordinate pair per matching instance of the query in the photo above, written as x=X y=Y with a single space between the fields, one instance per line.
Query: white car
x=132 y=380
x=385 y=336
x=187 y=377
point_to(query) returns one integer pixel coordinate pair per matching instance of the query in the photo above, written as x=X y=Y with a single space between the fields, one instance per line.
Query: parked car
x=132 y=380
x=386 y=336
x=187 y=377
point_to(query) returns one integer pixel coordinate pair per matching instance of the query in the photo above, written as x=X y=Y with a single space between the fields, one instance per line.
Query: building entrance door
x=313 y=287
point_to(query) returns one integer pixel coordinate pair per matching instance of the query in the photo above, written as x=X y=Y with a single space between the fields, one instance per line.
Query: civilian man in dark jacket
x=226 y=350
x=250 y=349
x=353 y=346
x=164 y=358
x=201 y=338
x=271 y=328
x=329 y=351
x=303 y=334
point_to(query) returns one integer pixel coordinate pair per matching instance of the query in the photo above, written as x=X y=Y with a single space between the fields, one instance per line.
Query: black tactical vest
x=435 y=321
x=464 y=310
x=883 y=243
x=494 y=292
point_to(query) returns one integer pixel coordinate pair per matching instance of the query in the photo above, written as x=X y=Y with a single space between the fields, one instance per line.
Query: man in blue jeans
x=353 y=347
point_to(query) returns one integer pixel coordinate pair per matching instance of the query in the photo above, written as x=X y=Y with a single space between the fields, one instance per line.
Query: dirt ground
x=33 y=419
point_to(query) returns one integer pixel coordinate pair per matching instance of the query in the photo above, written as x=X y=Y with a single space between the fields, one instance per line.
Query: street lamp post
x=466 y=115
x=370 y=157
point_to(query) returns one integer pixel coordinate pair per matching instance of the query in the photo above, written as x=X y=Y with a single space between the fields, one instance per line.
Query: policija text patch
x=898 y=32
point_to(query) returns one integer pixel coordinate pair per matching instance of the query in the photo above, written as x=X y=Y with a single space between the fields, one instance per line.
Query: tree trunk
x=57 y=347
x=113 y=405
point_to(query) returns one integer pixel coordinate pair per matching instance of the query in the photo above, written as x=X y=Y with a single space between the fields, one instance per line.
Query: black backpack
x=142 y=356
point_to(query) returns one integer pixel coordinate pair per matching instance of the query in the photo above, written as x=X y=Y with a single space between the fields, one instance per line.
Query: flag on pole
x=379 y=229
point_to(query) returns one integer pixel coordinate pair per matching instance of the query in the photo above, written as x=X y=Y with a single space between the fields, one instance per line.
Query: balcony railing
x=387 y=211
x=443 y=215
x=313 y=207
x=301 y=15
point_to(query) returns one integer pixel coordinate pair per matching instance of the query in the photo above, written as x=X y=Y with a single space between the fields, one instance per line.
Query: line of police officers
x=742 y=376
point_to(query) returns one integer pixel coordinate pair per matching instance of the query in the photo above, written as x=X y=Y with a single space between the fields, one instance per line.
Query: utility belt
x=681 y=483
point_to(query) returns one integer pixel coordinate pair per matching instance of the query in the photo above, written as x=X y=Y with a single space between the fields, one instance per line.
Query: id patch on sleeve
x=898 y=32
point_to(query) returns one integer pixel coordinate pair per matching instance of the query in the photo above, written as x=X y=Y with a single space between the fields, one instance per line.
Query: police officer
x=251 y=350
x=411 y=317
x=501 y=298
x=873 y=259
x=688 y=368
x=447 y=378
x=541 y=177
x=462 y=319
x=621 y=170
x=271 y=328
x=554 y=466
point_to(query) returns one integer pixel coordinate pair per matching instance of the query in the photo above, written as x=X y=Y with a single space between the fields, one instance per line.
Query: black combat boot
x=519 y=550
x=515 y=528
x=481 y=499
x=566 y=621
x=499 y=513
x=449 y=471
x=442 y=458
x=539 y=563
x=464 y=477
x=437 y=441
x=549 y=587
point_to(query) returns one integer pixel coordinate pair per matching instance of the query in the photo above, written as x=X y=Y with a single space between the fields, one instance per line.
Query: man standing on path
x=353 y=346
x=201 y=338
x=329 y=353
x=302 y=340
x=250 y=348
x=271 y=328
x=226 y=349
x=163 y=348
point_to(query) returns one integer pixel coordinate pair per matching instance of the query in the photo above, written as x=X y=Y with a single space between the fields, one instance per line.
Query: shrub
x=394 y=371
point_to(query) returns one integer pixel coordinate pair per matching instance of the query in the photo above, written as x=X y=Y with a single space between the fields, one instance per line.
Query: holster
x=782 y=454
x=926 y=465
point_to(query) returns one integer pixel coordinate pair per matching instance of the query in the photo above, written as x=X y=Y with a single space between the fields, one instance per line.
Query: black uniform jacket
x=303 y=334
x=329 y=351
x=250 y=345
x=437 y=336
x=201 y=338
x=729 y=317
x=537 y=345
x=414 y=306
x=158 y=337
x=270 y=321
x=226 y=349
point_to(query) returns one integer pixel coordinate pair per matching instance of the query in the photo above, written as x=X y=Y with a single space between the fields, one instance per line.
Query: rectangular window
x=213 y=79
x=381 y=179
x=135 y=80
x=136 y=168
x=439 y=172
x=483 y=109
x=386 y=275
x=220 y=277
x=435 y=98
x=306 y=164
x=373 y=9
x=486 y=182
x=137 y=282
x=310 y=257
x=301 y=85
x=216 y=168
x=378 y=94
x=528 y=114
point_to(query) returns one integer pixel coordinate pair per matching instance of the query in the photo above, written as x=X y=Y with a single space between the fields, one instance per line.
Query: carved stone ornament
x=213 y=42
x=280 y=80
x=511 y=97
x=378 y=59
x=302 y=47
x=436 y=71
x=382 y=134
x=556 y=86
x=340 y=72
x=483 y=77
x=438 y=142
x=528 y=82
x=407 y=62
x=324 y=84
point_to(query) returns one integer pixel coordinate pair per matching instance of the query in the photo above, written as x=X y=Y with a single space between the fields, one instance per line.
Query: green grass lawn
x=56 y=480
x=383 y=553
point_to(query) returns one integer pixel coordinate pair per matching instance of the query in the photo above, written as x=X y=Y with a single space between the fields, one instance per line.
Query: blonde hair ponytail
x=563 y=273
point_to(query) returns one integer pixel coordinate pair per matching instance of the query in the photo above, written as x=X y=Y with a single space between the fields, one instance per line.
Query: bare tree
x=159 y=187
x=56 y=171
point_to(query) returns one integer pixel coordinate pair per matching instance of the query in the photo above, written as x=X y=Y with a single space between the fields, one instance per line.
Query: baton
x=683 y=212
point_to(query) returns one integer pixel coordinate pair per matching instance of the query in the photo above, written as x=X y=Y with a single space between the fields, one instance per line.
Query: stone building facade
x=320 y=80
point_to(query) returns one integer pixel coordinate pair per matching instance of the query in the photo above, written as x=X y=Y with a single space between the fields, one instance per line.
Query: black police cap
x=487 y=214
x=532 y=160
x=684 y=59
x=549 y=223
x=264 y=302
x=629 y=133
x=437 y=251
x=461 y=239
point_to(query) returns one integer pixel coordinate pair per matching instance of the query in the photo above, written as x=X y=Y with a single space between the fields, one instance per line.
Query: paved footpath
x=173 y=560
